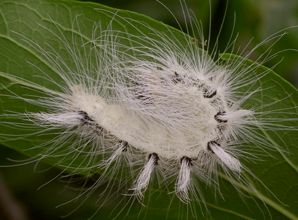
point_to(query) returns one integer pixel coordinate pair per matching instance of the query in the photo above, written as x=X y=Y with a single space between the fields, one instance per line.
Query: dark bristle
x=230 y=103
x=221 y=128
x=177 y=78
x=86 y=120
x=98 y=128
x=209 y=145
x=141 y=97
x=124 y=145
x=216 y=117
x=208 y=94
x=187 y=159
x=155 y=158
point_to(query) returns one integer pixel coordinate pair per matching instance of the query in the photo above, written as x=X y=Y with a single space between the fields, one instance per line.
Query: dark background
x=249 y=19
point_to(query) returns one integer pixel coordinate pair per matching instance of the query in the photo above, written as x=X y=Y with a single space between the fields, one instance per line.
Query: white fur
x=115 y=155
x=165 y=106
x=144 y=177
x=183 y=181
x=62 y=119
x=231 y=162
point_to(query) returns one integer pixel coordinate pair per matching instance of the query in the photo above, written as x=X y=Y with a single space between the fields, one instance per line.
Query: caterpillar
x=154 y=100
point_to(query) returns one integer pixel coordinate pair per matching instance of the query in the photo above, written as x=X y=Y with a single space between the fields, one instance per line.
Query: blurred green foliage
x=249 y=19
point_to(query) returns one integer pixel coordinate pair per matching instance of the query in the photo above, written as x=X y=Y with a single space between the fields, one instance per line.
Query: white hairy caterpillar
x=164 y=106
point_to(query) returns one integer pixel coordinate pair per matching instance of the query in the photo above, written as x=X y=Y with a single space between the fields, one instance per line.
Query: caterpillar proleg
x=141 y=103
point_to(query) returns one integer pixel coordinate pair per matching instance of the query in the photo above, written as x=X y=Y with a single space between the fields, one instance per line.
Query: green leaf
x=24 y=71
